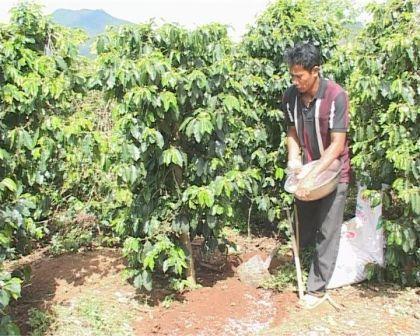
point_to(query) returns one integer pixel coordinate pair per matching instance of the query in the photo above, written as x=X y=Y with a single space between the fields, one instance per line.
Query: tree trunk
x=185 y=239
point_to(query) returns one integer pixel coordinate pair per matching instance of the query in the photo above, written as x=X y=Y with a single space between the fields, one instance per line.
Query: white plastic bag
x=361 y=243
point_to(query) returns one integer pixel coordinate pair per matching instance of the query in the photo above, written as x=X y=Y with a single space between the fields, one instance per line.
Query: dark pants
x=320 y=225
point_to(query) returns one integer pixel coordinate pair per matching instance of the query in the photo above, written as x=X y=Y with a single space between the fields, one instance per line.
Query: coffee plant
x=178 y=103
x=384 y=90
x=40 y=139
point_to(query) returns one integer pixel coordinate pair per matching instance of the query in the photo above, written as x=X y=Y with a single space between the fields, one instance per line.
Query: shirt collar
x=321 y=89
x=323 y=83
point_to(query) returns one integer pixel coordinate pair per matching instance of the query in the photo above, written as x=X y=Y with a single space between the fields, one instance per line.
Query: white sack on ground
x=361 y=243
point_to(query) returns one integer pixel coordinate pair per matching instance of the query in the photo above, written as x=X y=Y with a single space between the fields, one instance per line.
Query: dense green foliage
x=178 y=105
x=35 y=89
x=197 y=141
x=201 y=130
x=47 y=141
x=384 y=88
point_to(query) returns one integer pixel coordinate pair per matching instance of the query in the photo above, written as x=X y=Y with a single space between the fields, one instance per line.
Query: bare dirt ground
x=60 y=280
x=365 y=311
x=222 y=306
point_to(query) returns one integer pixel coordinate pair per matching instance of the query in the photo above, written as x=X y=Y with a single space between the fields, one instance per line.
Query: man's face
x=303 y=79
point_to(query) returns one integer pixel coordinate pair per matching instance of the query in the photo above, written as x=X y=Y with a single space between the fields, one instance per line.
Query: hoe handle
x=295 y=249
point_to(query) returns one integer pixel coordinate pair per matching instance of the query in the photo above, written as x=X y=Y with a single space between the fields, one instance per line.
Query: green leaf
x=223 y=184
x=166 y=264
x=110 y=83
x=138 y=281
x=172 y=155
x=4 y=298
x=151 y=71
x=3 y=154
x=130 y=174
x=169 y=101
x=271 y=214
x=13 y=286
x=4 y=239
x=131 y=244
x=231 y=103
x=205 y=197
x=263 y=203
x=199 y=126
x=211 y=221
x=181 y=224
x=217 y=210
x=135 y=153
x=279 y=174
x=100 y=44
x=147 y=280
x=62 y=65
x=7 y=327
x=26 y=139
x=9 y=184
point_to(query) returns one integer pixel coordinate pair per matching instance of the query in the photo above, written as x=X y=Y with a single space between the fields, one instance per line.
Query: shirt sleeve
x=339 y=114
x=287 y=109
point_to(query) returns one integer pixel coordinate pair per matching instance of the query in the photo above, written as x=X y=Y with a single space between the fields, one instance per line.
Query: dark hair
x=304 y=54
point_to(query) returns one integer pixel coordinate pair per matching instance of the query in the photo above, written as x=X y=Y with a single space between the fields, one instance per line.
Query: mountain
x=93 y=22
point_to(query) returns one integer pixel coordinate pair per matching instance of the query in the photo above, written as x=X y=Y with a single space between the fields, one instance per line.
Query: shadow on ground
x=57 y=279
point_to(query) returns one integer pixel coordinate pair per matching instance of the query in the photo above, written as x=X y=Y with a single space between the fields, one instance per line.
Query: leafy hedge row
x=47 y=143
x=384 y=88
x=200 y=129
x=178 y=101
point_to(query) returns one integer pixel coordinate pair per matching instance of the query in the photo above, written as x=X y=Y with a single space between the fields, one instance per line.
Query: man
x=316 y=111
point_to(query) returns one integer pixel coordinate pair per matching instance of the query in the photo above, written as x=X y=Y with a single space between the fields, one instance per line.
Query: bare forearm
x=330 y=154
x=334 y=150
x=293 y=148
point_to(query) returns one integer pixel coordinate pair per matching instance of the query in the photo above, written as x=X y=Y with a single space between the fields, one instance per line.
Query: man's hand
x=294 y=163
x=305 y=185
x=294 y=167
x=331 y=153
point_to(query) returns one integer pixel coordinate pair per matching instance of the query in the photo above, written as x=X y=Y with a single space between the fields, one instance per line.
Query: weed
x=285 y=276
x=96 y=316
x=182 y=285
x=39 y=321
x=168 y=301
x=70 y=241
x=87 y=316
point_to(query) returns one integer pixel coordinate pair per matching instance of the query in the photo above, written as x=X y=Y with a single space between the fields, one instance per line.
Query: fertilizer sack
x=361 y=243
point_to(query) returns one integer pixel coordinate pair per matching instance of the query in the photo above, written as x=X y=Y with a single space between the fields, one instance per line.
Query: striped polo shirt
x=328 y=112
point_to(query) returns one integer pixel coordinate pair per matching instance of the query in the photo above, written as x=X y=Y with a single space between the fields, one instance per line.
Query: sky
x=189 y=13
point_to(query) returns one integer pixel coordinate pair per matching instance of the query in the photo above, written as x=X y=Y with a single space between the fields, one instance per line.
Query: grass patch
x=285 y=276
x=89 y=315
x=39 y=321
